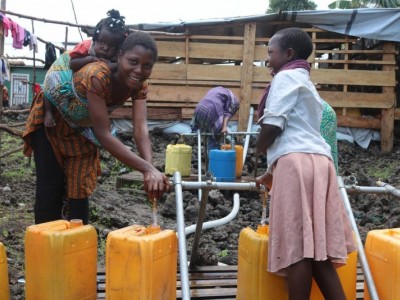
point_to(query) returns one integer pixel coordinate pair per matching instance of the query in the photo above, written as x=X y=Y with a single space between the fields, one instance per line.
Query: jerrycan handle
x=394 y=232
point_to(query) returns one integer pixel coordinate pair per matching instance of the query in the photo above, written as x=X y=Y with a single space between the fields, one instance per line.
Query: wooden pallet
x=211 y=282
x=214 y=282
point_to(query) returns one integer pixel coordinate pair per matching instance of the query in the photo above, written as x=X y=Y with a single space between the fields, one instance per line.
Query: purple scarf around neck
x=294 y=64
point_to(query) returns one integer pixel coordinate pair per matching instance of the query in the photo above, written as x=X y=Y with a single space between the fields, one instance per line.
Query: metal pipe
x=235 y=186
x=183 y=266
x=365 y=189
x=230 y=133
x=361 y=254
x=199 y=159
x=232 y=142
x=206 y=153
x=199 y=226
x=390 y=189
x=215 y=223
x=247 y=139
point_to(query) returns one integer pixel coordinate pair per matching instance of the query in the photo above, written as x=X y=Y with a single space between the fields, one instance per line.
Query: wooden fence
x=356 y=76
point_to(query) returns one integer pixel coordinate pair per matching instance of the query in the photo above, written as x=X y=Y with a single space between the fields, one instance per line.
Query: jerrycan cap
x=151 y=229
x=262 y=229
x=73 y=223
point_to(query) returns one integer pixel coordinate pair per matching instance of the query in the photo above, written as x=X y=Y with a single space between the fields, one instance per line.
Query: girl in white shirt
x=310 y=233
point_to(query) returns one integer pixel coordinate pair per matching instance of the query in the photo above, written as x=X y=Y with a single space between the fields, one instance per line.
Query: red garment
x=5 y=94
x=81 y=49
x=36 y=89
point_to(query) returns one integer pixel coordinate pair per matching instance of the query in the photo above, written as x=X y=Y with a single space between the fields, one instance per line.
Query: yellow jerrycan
x=382 y=249
x=178 y=158
x=4 y=286
x=141 y=263
x=256 y=283
x=60 y=261
x=239 y=157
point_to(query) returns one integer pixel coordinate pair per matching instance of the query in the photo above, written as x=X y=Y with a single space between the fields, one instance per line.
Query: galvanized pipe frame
x=361 y=253
x=208 y=185
x=205 y=187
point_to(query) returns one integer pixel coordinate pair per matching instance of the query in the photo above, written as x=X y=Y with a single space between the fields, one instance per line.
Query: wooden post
x=66 y=38
x=387 y=128
x=246 y=76
x=34 y=58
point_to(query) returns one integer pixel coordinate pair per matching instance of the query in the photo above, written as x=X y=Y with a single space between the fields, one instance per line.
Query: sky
x=89 y=12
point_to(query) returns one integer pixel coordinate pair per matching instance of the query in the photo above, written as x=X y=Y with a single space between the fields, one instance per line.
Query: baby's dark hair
x=297 y=39
x=140 y=38
x=114 y=23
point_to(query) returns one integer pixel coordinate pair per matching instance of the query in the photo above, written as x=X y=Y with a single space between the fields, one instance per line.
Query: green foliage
x=290 y=5
x=223 y=253
x=382 y=172
x=13 y=166
x=94 y=214
x=102 y=243
x=348 y=4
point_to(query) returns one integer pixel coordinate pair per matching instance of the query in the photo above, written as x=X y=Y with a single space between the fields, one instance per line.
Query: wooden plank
x=227 y=268
x=196 y=72
x=353 y=99
x=354 y=62
x=216 y=51
x=397 y=113
x=337 y=40
x=209 y=293
x=209 y=283
x=353 y=77
x=222 y=51
x=211 y=275
x=357 y=51
x=214 y=72
x=196 y=83
x=358 y=122
x=171 y=49
x=260 y=52
x=216 y=37
x=153 y=113
x=170 y=71
x=246 y=76
x=180 y=94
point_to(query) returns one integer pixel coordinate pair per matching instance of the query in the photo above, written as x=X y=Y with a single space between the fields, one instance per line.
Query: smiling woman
x=67 y=155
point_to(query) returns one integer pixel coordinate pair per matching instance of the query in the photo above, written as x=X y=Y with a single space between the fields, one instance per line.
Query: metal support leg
x=361 y=254
x=183 y=266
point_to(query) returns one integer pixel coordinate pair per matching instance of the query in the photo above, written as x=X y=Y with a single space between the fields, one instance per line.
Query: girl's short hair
x=297 y=39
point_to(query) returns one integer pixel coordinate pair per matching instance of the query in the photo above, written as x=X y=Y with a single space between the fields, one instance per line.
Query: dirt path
x=112 y=209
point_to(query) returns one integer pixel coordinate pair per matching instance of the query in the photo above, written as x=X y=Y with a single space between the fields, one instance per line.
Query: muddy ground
x=112 y=208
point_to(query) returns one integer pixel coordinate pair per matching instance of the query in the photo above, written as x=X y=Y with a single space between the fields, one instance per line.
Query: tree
x=290 y=5
x=364 y=3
